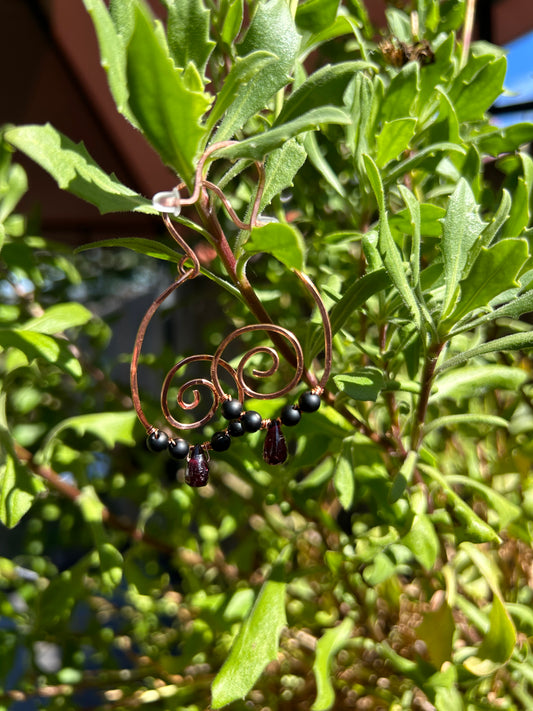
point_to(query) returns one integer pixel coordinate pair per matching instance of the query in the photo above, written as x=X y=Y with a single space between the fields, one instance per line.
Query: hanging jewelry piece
x=240 y=420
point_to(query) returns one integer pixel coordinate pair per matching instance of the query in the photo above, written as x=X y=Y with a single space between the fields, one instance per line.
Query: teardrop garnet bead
x=197 y=473
x=275 y=449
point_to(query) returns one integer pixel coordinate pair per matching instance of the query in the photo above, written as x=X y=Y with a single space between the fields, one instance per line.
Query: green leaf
x=331 y=642
x=474 y=381
x=513 y=342
x=343 y=477
x=505 y=509
x=257 y=147
x=281 y=167
x=123 y=16
x=18 y=487
x=393 y=139
x=363 y=383
x=282 y=241
x=255 y=646
x=494 y=271
x=232 y=21
x=491 y=230
x=167 y=109
x=316 y=15
x=320 y=163
x=242 y=72
x=498 y=644
x=40 y=346
x=325 y=87
x=520 y=213
x=390 y=253
x=461 y=228
x=414 y=209
x=401 y=93
x=112 y=55
x=394 y=172
x=477 y=86
x=470 y=418
x=422 y=541
x=58 y=318
x=141 y=245
x=74 y=170
x=505 y=140
x=11 y=192
x=272 y=30
x=188 y=33
x=437 y=630
x=514 y=309
x=111 y=427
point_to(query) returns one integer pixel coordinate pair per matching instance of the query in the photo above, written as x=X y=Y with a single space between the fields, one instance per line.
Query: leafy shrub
x=388 y=563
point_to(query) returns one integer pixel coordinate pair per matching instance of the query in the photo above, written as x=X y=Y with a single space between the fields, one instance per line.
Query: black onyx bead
x=220 y=441
x=231 y=409
x=309 y=402
x=251 y=421
x=178 y=449
x=290 y=415
x=157 y=441
x=235 y=428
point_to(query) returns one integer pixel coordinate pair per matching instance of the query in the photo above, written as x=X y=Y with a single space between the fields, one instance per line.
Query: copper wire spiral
x=189 y=268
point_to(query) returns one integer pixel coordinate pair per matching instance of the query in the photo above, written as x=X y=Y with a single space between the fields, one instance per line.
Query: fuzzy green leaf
x=316 y=15
x=325 y=87
x=513 y=342
x=255 y=646
x=74 y=170
x=477 y=86
x=257 y=147
x=505 y=509
x=401 y=93
x=462 y=226
x=363 y=383
x=390 y=253
x=494 y=271
x=141 y=245
x=188 y=33
x=112 y=55
x=282 y=241
x=242 y=72
x=272 y=30
x=394 y=139
x=281 y=167
x=232 y=21
x=331 y=642
x=474 y=381
x=166 y=107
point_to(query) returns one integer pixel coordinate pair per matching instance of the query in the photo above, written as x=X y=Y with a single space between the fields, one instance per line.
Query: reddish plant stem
x=425 y=392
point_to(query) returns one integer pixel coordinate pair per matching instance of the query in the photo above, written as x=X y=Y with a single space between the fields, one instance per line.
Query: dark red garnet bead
x=290 y=415
x=157 y=441
x=220 y=441
x=231 y=409
x=197 y=473
x=235 y=428
x=251 y=421
x=309 y=401
x=178 y=449
x=275 y=449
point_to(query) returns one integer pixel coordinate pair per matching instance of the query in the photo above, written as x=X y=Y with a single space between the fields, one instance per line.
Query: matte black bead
x=220 y=441
x=178 y=449
x=251 y=421
x=235 y=428
x=309 y=401
x=157 y=441
x=197 y=473
x=231 y=409
x=290 y=415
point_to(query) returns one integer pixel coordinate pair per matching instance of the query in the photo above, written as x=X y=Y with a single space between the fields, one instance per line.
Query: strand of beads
x=240 y=421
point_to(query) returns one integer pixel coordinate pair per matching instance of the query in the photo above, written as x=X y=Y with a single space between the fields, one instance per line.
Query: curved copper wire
x=216 y=394
x=299 y=368
x=189 y=268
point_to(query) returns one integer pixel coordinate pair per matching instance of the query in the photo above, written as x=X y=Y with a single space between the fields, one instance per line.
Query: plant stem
x=427 y=382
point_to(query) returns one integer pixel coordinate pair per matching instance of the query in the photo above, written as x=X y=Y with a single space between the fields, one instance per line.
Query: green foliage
x=388 y=563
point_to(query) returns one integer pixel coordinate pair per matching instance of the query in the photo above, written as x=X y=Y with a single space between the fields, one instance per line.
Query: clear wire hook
x=168 y=201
